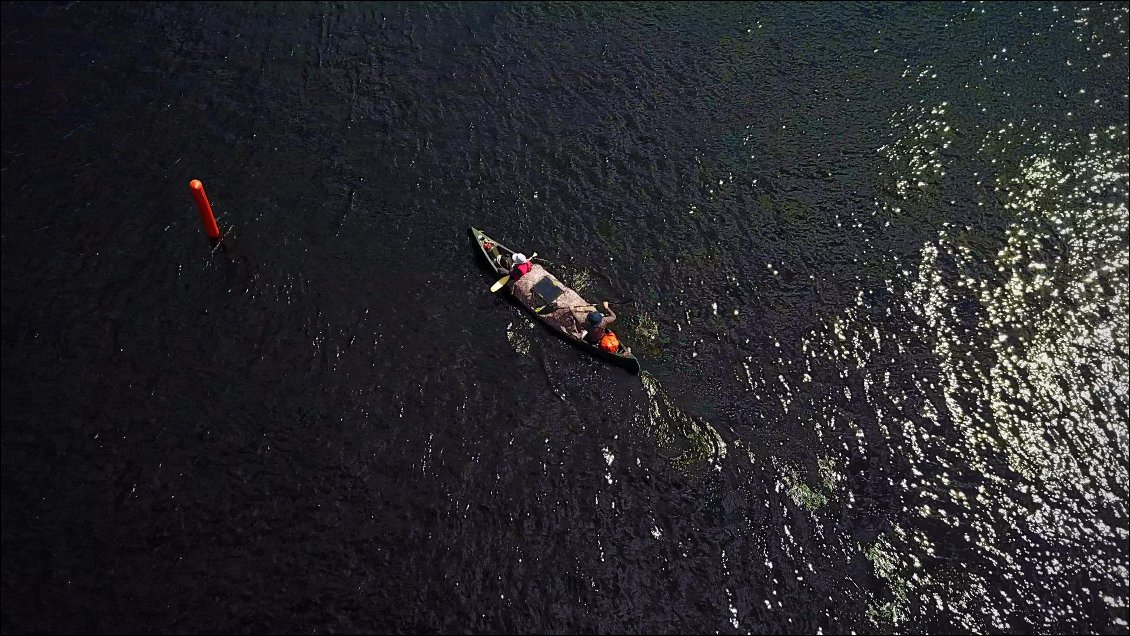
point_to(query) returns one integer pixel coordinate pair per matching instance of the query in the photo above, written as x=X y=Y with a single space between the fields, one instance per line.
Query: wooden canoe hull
x=622 y=358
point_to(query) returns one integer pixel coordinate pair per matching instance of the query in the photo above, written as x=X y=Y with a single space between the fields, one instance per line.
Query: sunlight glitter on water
x=1027 y=336
x=518 y=334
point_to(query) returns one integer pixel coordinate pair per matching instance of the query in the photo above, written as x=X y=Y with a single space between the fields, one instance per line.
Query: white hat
x=519 y=258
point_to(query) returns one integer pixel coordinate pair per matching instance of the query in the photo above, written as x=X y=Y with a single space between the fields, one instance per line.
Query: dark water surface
x=878 y=258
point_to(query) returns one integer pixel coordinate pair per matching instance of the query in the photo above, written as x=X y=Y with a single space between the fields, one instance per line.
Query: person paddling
x=520 y=266
x=596 y=324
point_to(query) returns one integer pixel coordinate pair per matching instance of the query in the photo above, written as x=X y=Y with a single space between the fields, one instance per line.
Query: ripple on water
x=1010 y=416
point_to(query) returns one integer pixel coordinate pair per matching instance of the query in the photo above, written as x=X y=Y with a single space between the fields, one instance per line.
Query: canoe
x=497 y=256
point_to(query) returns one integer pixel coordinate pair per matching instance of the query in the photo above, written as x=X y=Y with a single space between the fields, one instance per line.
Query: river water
x=873 y=259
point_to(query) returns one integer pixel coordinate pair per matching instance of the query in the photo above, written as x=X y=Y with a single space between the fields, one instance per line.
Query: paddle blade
x=502 y=281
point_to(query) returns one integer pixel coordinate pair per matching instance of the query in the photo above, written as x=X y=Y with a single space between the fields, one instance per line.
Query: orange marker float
x=210 y=227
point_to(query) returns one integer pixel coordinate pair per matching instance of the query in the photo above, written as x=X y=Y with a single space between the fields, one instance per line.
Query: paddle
x=502 y=281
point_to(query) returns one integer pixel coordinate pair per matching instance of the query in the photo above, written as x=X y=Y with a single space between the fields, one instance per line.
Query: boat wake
x=691 y=443
x=694 y=443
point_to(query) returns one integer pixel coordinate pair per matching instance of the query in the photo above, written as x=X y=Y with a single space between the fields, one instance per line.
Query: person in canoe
x=597 y=332
x=520 y=266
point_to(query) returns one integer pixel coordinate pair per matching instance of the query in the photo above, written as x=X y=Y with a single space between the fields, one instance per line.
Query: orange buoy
x=210 y=227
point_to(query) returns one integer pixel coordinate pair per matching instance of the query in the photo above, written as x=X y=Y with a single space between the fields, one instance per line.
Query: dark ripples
x=877 y=263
